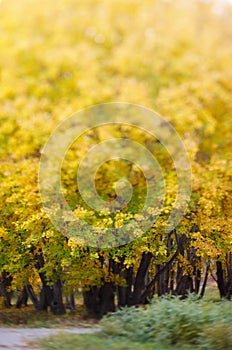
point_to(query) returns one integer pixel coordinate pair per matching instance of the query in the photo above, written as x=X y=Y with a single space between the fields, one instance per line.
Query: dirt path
x=17 y=338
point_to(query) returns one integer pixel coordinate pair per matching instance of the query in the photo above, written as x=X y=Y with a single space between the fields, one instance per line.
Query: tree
x=117 y=52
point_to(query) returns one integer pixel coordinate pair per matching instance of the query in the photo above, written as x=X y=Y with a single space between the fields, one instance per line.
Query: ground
x=18 y=338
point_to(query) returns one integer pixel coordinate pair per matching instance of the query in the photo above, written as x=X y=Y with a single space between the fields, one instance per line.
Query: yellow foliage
x=58 y=57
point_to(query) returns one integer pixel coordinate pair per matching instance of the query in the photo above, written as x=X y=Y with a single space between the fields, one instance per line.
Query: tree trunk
x=139 y=284
x=22 y=298
x=125 y=293
x=163 y=280
x=106 y=295
x=57 y=306
x=70 y=302
x=229 y=276
x=92 y=302
x=32 y=296
x=204 y=282
x=52 y=297
x=99 y=300
x=5 y=283
x=220 y=279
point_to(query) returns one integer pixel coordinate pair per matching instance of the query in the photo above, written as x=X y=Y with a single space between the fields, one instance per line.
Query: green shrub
x=218 y=337
x=171 y=321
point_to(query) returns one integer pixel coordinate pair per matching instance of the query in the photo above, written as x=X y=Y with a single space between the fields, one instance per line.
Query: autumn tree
x=171 y=57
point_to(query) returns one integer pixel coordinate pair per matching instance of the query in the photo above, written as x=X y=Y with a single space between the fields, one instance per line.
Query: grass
x=29 y=317
x=212 y=293
x=94 y=342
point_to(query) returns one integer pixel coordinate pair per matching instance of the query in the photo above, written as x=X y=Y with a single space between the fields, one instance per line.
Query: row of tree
x=47 y=74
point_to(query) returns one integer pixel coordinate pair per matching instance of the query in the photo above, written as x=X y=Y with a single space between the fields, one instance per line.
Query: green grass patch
x=95 y=342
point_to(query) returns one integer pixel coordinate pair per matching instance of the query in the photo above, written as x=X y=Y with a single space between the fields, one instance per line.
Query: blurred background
x=60 y=56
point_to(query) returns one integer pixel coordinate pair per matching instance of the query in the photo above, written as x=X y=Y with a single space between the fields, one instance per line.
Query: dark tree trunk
x=70 y=302
x=198 y=281
x=183 y=286
x=106 y=296
x=229 y=276
x=22 y=298
x=32 y=296
x=45 y=298
x=140 y=279
x=220 y=279
x=163 y=280
x=57 y=306
x=172 y=277
x=204 y=282
x=125 y=293
x=224 y=277
x=5 y=284
x=52 y=297
x=92 y=302
x=46 y=294
x=150 y=286
x=99 y=300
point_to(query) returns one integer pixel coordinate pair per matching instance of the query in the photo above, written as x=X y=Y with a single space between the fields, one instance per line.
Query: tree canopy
x=173 y=57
